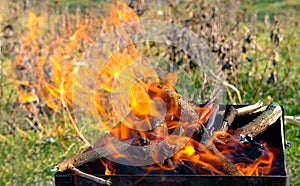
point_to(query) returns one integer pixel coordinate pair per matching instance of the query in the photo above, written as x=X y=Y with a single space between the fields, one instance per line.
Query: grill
x=183 y=175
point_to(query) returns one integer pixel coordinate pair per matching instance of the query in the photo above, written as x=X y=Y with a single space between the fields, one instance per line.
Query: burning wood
x=203 y=152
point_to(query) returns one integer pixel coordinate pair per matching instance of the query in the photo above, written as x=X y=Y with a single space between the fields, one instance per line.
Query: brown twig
x=250 y=109
x=73 y=123
x=91 y=177
x=214 y=97
x=228 y=85
x=3 y=138
x=293 y=118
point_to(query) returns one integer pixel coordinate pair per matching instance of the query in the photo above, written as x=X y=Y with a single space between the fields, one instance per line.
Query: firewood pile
x=188 y=137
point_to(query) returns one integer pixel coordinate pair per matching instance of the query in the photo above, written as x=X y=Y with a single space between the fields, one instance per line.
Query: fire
x=46 y=86
x=199 y=156
x=121 y=13
x=260 y=167
x=235 y=151
x=54 y=66
x=107 y=171
x=139 y=100
x=54 y=69
x=188 y=150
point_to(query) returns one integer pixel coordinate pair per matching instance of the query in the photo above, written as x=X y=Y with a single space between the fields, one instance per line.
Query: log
x=223 y=164
x=230 y=116
x=261 y=123
x=91 y=155
x=176 y=106
x=228 y=119
x=247 y=110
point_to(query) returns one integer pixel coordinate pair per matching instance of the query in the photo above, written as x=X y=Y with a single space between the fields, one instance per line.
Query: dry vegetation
x=41 y=44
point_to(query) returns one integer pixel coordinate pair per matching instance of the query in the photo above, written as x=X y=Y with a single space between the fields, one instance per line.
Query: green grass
x=292 y=152
x=271 y=7
x=28 y=159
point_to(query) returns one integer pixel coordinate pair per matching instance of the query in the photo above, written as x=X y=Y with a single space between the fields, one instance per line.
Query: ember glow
x=249 y=160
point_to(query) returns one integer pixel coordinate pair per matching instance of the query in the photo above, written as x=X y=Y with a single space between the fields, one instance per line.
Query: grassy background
x=28 y=156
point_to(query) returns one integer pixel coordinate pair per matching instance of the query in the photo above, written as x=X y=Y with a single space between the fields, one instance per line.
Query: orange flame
x=58 y=61
x=121 y=13
x=107 y=171
x=260 y=167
